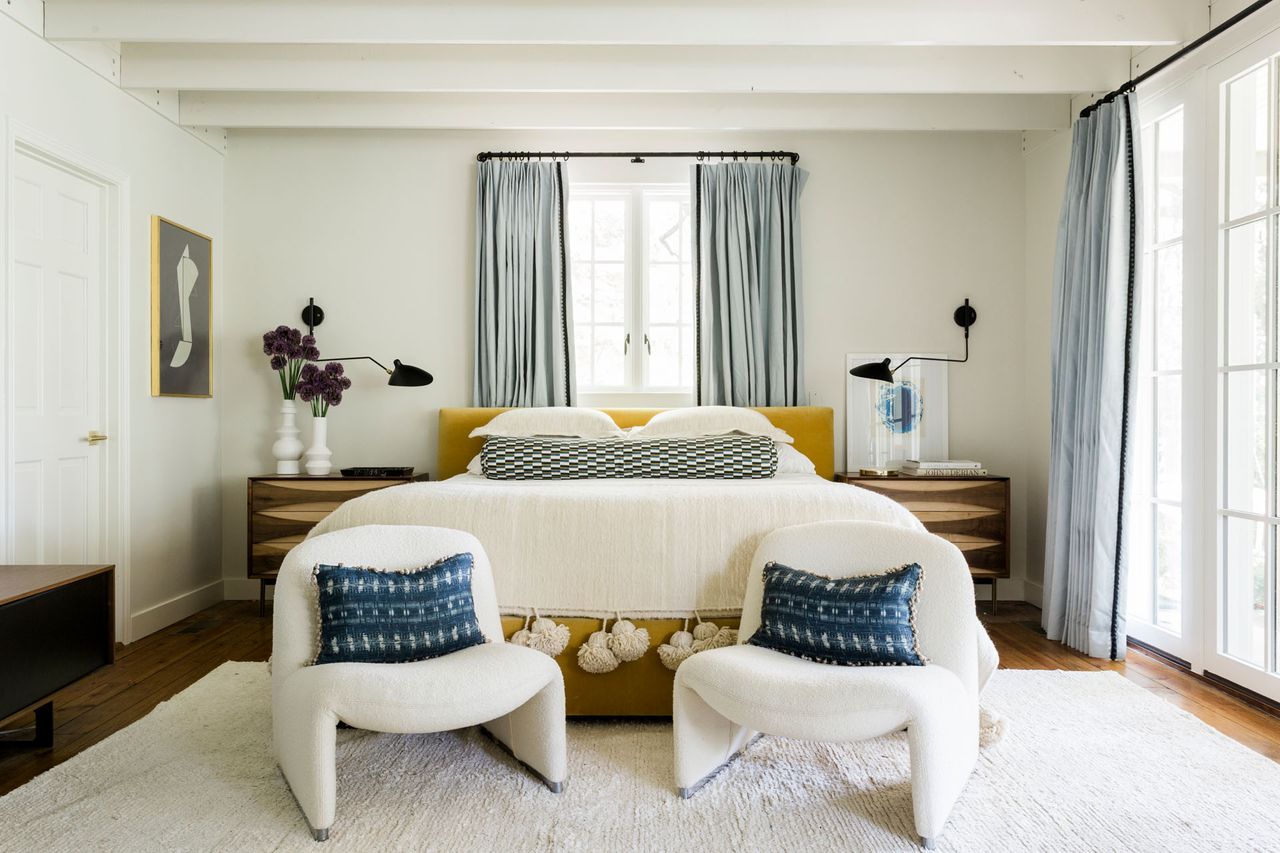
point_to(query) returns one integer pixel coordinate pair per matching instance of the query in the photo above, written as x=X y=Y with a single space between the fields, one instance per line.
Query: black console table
x=57 y=625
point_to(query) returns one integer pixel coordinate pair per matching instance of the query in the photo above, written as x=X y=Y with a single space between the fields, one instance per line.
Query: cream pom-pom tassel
x=521 y=637
x=594 y=655
x=545 y=636
x=628 y=642
x=677 y=649
x=548 y=637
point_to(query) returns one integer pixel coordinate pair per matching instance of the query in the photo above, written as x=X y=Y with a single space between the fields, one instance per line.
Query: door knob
x=94 y=436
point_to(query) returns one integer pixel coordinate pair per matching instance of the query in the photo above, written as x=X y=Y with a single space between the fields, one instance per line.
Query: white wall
x=173 y=443
x=1046 y=159
x=378 y=227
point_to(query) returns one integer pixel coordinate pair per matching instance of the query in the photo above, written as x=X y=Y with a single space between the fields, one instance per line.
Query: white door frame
x=21 y=140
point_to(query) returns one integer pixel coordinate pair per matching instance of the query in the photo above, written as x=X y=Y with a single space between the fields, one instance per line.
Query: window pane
x=607 y=356
x=666 y=218
x=1244 y=599
x=1169 y=568
x=664 y=362
x=689 y=364
x=1246 y=298
x=664 y=293
x=1245 y=430
x=610 y=293
x=1169 y=174
x=1169 y=438
x=1141 y=562
x=580 y=286
x=580 y=229
x=610 y=234
x=1169 y=308
x=1149 y=184
x=1247 y=148
x=582 y=354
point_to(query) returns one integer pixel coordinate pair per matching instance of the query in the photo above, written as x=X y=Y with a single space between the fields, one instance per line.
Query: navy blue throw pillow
x=867 y=620
x=372 y=616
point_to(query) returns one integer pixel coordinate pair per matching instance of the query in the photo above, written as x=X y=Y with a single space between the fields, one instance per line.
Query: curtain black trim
x=697 y=284
x=564 y=285
x=1130 y=178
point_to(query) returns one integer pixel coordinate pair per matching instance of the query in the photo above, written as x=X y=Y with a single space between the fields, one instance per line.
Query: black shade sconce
x=965 y=316
x=403 y=375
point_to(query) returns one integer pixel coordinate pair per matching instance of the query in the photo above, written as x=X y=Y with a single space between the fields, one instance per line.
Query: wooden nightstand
x=283 y=508
x=970 y=512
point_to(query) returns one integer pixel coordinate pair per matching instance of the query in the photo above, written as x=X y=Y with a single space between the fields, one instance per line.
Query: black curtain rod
x=637 y=156
x=1190 y=47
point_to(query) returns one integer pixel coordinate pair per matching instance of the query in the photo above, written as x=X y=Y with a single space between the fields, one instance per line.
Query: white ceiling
x=696 y=64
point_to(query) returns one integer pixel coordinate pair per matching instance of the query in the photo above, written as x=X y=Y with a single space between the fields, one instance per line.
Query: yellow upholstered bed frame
x=642 y=687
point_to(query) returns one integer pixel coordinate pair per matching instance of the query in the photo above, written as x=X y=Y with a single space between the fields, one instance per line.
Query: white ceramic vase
x=318 y=454
x=288 y=447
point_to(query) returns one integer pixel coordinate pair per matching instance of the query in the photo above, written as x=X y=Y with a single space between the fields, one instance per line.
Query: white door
x=55 y=339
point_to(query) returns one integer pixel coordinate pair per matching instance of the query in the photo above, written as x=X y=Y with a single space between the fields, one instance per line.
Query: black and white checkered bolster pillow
x=721 y=457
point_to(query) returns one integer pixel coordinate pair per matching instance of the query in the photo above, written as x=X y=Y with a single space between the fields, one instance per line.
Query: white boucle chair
x=516 y=693
x=725 y=697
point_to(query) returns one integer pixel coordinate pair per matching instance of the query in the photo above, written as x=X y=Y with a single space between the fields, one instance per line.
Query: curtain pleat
x=523 y=354
x=750 y=313
x=1092 y=355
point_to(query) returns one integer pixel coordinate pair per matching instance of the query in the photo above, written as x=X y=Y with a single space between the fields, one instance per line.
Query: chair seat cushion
x=786 y=695
x=474 y=685
x=862 y=620
x=373 y=616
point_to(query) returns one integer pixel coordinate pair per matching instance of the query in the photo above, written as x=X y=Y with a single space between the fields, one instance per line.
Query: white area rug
x=1089 y=762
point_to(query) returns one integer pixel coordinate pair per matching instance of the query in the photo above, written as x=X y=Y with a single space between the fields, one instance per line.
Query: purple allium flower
x=322 y=387
x=278 y=362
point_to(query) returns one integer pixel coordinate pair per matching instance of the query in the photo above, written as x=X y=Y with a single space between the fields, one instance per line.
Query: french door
x=1204 y=519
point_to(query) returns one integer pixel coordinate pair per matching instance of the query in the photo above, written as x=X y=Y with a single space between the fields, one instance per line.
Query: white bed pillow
x=566 y=421
x=792 y=461
x=710 y=420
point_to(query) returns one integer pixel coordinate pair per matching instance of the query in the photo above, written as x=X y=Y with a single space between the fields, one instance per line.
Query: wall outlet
x=815 y=399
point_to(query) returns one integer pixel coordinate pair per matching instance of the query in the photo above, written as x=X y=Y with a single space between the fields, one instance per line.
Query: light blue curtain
x=1095 y=306
x=524 y=352
x=751 y=316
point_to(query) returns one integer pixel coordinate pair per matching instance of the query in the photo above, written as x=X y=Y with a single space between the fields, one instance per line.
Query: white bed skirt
x=645 y=548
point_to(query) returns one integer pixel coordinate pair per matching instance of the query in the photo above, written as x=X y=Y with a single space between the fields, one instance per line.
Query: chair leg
x=306 y=748
x=944 y=749
x=535 y=734
x=705 y=741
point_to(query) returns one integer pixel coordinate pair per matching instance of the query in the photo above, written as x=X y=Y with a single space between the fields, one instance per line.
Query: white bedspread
x=642 y=547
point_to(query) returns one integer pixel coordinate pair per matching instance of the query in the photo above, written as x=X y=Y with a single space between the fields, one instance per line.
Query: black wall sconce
x=403 y=375
x=965 y=316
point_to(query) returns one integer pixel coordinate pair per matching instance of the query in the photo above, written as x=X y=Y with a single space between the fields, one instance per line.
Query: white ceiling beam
x=595 y=68
x=753 y=22
x=624 y=112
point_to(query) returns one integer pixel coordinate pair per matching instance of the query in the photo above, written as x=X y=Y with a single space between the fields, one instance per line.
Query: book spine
x=945 y=472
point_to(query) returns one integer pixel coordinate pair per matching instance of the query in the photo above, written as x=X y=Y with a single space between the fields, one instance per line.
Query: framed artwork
x=888 y=423
x=181 y=311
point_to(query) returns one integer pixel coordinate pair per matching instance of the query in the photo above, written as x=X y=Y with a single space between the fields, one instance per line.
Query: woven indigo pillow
x=372 y=616
x=866 y=620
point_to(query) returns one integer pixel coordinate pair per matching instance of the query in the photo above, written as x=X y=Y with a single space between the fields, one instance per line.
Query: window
x=1155 y=512
x=631 y=276
x=1248 y=365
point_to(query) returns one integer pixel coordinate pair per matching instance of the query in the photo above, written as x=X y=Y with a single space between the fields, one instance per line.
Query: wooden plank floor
x=161 y=665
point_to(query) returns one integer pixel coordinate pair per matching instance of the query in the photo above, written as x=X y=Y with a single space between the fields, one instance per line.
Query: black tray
x=384 y=471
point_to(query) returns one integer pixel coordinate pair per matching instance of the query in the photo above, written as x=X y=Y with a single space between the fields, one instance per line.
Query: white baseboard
x=1034 y=593
x=243 y=589
x=165 y=613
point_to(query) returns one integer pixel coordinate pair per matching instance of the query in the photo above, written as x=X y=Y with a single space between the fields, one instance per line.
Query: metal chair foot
x=320 y=834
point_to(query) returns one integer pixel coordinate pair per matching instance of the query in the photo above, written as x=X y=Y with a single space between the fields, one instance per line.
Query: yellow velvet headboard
x=812 y=428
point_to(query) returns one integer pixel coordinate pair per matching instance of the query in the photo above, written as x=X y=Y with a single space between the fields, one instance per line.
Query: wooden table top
x=24 y=581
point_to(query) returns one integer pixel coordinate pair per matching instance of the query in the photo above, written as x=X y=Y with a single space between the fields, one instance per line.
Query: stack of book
x=942 y=468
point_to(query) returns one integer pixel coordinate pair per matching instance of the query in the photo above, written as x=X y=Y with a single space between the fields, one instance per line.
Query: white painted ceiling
x=661 y=64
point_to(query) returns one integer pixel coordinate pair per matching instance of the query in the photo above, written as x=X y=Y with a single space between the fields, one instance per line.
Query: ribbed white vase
x=288 y=447
x=318 y=454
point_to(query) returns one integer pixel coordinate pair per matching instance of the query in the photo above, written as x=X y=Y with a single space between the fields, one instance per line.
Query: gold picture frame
x=181 y=311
